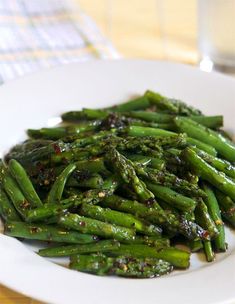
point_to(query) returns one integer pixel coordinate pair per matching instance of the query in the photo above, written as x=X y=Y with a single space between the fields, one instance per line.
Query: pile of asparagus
x=117 y=189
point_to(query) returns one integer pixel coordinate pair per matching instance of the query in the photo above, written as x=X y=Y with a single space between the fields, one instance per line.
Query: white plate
x=33 y=100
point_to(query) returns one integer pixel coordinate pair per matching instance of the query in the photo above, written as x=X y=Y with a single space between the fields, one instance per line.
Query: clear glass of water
x=216 y=34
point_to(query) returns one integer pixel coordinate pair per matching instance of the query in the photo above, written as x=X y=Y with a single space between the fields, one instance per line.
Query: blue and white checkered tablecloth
x=36 y=34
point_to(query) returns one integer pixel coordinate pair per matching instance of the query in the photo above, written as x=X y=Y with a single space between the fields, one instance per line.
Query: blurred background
x=152 y=29
x=35 y=34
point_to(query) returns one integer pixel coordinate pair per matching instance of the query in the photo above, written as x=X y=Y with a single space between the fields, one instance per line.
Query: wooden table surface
x=150 y=29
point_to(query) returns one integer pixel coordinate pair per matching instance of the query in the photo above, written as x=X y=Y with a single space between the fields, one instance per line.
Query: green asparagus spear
x=170 y=105
x=68 y=250
x=30 y=158
x=148 y=145
x=57 y=189
x=110 y=184
x=7 y=210
x=171 y=197
x=18 y=199
x=84 y=180
x=204 y=219
x=223 y=145
x=138 y=131
x=31 y=144
x=174 y=256
x=77 y=154
x=60 y=132
x=47 y=133
x=146 y=131
x=217 y=163
x=202 y=146
x=157 y=163
x=167 y=179
x=85 y=114
x=118 y=218
x=124 y=168
x=72 y=191
x=195 y=245
x=51 y=210
x=154 y=214
x=18 y=172
x=184 y=223
x=91 y=226
x=120 y=266
x=214 y=211
x=82 y=142
x=139 y=103
x=213 y=122
x=210 y=256
x=47 y=233
x=95 y=165
x=139 y=159
x=227 y=207
x=165 y=126
x=152 y=241
x=208 y=173
x=55 y=209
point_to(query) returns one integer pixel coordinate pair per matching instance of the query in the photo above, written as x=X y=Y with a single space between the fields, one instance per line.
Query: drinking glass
x=216 y=34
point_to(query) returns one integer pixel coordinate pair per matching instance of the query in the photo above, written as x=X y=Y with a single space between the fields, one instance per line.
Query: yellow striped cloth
x=35 y=34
